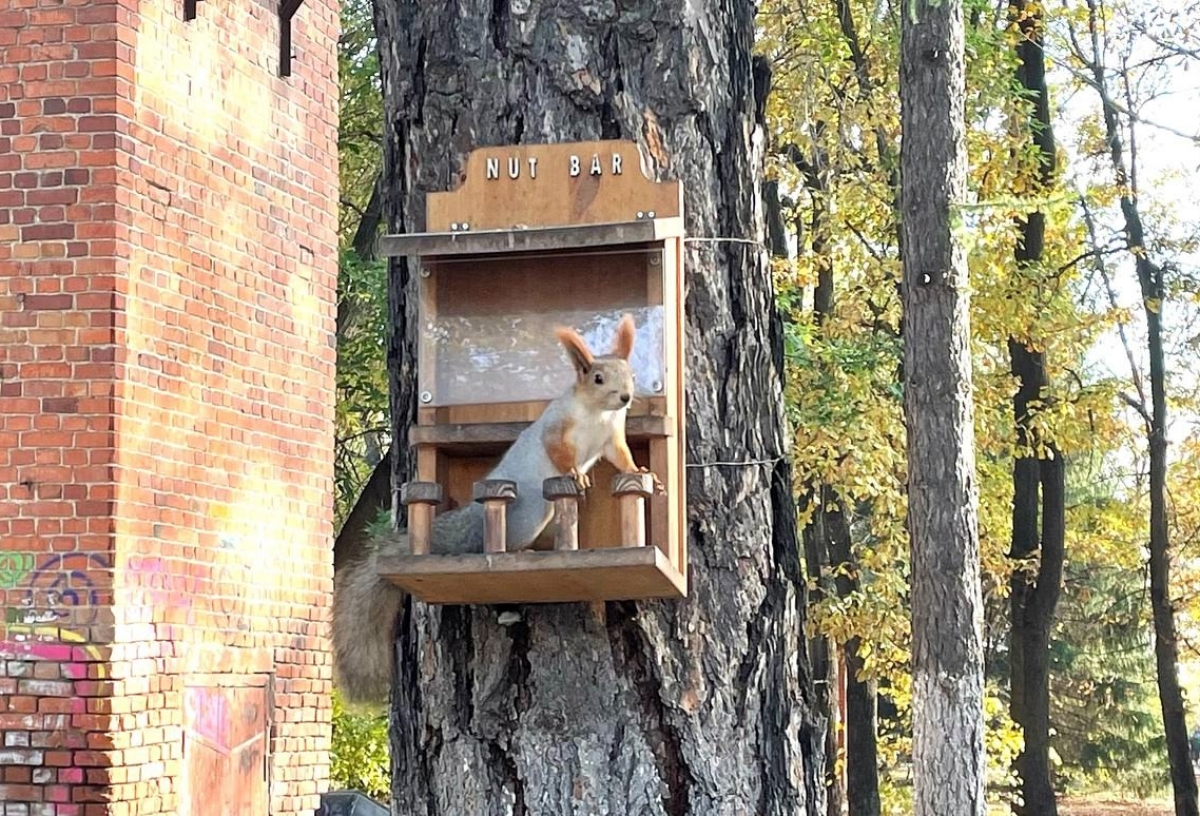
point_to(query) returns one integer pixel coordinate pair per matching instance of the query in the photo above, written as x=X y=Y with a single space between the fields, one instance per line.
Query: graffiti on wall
x=13 y=567
x=155 y=583
x=52 y=600
x=225 y=748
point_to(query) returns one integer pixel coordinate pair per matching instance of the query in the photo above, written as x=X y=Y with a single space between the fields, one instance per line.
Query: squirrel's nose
x=625 y=398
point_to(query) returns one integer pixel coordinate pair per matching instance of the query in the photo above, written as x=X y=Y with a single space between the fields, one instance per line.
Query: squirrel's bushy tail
x=365 y=608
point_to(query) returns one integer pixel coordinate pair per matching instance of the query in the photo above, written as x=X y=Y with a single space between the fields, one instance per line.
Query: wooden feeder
x=536 y=237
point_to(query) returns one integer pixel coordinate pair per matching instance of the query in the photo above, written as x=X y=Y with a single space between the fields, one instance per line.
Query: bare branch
x=1101 y=267
x=1138 y=405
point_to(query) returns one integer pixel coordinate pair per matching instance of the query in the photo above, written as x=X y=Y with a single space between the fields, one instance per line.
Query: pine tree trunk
x=948 y=758
x=701 y=706
x=1034 y=596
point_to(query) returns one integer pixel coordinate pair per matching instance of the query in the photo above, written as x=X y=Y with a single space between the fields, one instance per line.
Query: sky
x=1167 y=103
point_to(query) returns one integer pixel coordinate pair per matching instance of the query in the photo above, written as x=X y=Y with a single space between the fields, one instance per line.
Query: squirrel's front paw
x=658 y=485
x=582 y=480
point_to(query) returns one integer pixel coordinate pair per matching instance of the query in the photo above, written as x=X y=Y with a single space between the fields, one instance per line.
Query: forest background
x=1122 y=82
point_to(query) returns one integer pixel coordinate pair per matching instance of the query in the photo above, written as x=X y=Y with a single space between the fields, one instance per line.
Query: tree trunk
x=1034 y=597
x=1150 y=279
x=817 y=536
x=355 y=534
x=1166 y=643
x=816 y=560
x=368 y=226
x=824 y=665
x=862 y=760
x=701 y=706
x=947 y=606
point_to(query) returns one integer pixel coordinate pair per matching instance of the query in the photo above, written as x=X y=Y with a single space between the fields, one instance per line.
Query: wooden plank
x=427 y=350
x=673 y=449
x=521 y=412
x=532 y=239
x=553 y=185
x=557 y=287
x=536 y=577
x=465 y=437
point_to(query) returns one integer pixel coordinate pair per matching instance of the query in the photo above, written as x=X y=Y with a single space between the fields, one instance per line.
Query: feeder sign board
x=557 y=185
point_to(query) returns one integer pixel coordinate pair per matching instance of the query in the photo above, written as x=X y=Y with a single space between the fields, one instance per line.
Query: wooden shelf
x=485 y=242
x=628 y=573
x=474 y=438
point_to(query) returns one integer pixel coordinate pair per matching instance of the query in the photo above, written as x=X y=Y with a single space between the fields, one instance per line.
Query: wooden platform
x=541 y=239
x=630 y=573
x=488 y=436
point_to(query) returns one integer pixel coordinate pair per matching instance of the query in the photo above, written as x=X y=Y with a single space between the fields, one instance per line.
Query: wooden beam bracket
x=287 y=10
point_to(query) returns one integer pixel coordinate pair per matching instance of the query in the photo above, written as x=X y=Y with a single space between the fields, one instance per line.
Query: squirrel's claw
x=581 y=479
x=658 y=485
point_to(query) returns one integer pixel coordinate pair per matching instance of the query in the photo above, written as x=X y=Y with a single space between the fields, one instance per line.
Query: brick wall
x=167 y=284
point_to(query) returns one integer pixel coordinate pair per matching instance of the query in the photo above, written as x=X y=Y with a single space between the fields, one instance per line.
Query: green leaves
x=360 y=751
x=362 y=413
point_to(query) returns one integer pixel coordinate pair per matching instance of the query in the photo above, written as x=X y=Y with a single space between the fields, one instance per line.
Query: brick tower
x=168 y=264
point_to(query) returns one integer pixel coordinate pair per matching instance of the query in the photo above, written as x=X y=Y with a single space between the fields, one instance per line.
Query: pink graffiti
x=209 y=715
x=77 y=657
x=35 y=650
x=157 y=585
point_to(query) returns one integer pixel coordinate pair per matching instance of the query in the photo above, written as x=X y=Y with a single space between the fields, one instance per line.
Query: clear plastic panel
x=496 y=358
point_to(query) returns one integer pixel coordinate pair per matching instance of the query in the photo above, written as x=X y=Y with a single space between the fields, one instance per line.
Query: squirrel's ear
x=623 y=345
x=577 y=349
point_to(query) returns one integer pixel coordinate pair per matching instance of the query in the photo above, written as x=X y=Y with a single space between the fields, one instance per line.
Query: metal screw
x=426 y=397
x=424 y=272
x=657 y=386
x=465 y=226
x=655 y=260
x=454 y=227
x=641 y=214
x=651 y=214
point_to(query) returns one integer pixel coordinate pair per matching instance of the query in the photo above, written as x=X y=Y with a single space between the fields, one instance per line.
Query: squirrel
x=575 y=430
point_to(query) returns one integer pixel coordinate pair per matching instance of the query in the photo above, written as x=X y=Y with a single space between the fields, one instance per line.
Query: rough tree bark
x=1036 y=479
x=948 y=759
x=694 y=707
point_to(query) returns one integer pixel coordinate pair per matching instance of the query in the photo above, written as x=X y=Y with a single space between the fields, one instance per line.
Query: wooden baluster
x=421 y=499
x=632 y=490
x=495 y=495
x=565 y=493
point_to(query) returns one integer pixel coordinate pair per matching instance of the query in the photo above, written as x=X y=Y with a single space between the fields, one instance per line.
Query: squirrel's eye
x=599 y=379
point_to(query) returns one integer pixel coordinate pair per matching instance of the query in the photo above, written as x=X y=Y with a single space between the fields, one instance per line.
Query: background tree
x=1039 y=472
x=948 y=756
x=674 y=708
x=1090 y=50
x=362 y=427
x=359 y=749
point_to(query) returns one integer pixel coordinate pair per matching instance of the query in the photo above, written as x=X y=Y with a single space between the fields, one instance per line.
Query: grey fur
x=363 y=603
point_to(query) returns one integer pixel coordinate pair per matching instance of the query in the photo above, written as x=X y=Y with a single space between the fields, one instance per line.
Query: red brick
x=107 y=256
